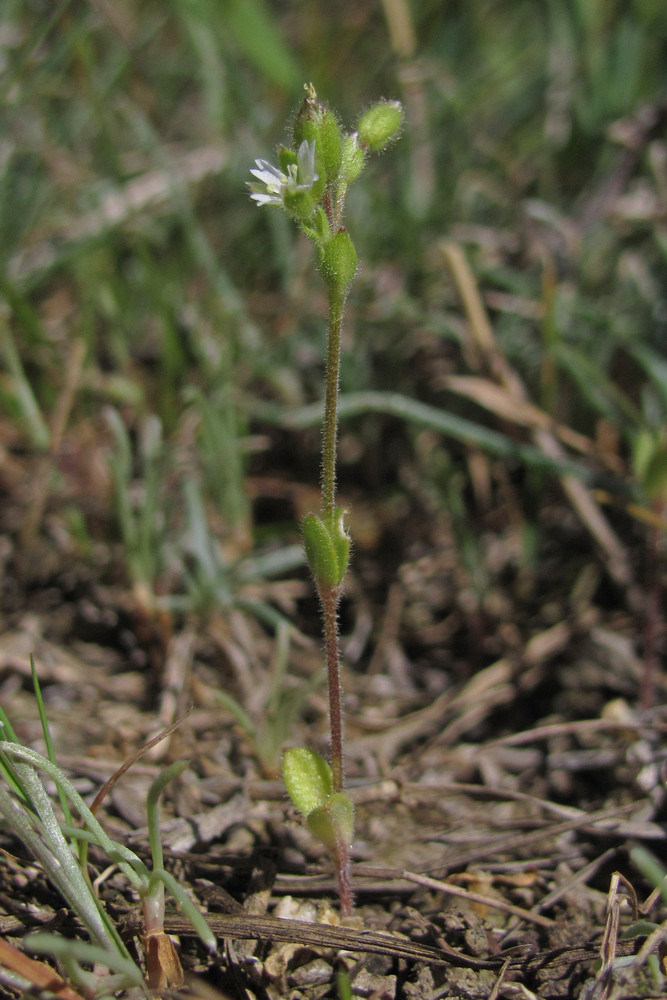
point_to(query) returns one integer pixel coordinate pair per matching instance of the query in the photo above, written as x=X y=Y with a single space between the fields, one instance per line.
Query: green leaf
x=307 y=778
x=333 y=822
x=327 y=545
x=337 y=261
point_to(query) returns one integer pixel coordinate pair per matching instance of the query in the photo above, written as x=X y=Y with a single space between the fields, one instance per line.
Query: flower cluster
x=312 y=178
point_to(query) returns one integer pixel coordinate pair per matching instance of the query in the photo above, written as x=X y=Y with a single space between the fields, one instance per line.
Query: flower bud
x=337 y=261
x=315 y=121
x=380 y=124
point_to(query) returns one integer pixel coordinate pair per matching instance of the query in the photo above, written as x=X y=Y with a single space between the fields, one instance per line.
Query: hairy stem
x=330 y=429
x=329 y=601
x=330 y=596
x=344 y=880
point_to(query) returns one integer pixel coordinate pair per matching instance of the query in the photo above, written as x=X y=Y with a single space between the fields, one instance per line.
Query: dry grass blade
x=126 y=765
x=504 y=404
x=483 y=354
x=580 y=877
x=476 y=897
x=495 y=992
x=597 y=823
x=601 y=988
x=452 y=715
x=35 y=512
x=584 y=726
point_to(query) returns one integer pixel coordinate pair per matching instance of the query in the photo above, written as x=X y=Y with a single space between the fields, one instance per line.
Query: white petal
x=306 y=160
x=266 y=199
x=269 y=167
x=272 y=178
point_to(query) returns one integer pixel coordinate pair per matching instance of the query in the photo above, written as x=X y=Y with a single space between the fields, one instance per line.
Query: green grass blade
x=132 y=866
x=156 y=790
x=51 y=849
x=128 y=973
x=394 y=404
x=187 y=907
x=257 y=35
x=651 y=869
x=24 y=396
x=46 y=732
x=7 y=769
x=655 y=366
x=237 y=712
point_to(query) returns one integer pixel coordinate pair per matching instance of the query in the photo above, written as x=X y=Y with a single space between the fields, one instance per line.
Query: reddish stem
x=330 y=596
x=344 y=879
x=329 y=600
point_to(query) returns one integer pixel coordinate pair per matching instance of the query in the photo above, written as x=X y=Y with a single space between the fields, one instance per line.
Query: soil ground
x=499 y=763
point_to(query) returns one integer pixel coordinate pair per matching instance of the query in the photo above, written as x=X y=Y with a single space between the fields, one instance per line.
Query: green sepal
x=300 y=205
x=327 y=546
x=333 y=822
x=352 y=162
x=341 y=542
x=315 y=121
x=317 y=227
x=286 y=158
x=308 y=779
x=337 y=261
x=380 y=125
x=330 y=145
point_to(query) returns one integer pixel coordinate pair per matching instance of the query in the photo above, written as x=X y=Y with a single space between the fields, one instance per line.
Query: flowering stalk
x=310 y=184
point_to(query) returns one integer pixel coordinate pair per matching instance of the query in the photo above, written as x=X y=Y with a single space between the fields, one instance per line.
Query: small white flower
x=274 y=184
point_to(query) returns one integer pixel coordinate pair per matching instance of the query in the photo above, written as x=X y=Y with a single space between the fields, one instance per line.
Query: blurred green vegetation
x=535 y=139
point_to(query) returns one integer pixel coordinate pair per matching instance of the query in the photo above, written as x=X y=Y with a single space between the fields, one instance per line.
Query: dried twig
x=249 y=926
x=476 y=897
